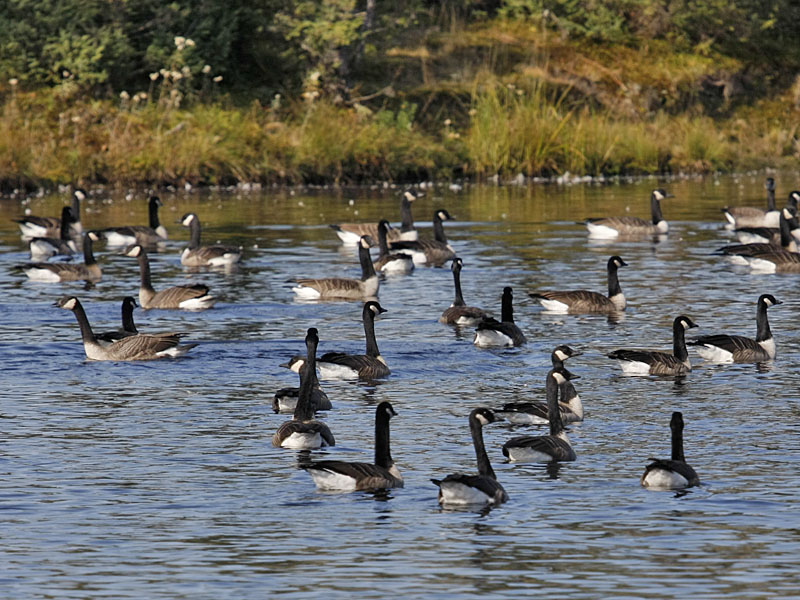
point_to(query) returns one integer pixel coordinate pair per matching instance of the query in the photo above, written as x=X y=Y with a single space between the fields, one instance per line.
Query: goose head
x=156 y=200
x=659 y=194
x=366 y=241
x=616 y=262
x=442 y=215
x=684 y=322
x=188 y=219
x=134 y=251
x=374 y=307
x=66 y=302
x=768 y=300
x=411 y=195
x=794 y=198
x=484 y=416
x=387 y=409
x=295 y=363
x=564 y=352
x=457 y=264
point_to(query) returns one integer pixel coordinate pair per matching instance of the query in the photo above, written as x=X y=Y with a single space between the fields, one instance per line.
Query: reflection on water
x=159 y=479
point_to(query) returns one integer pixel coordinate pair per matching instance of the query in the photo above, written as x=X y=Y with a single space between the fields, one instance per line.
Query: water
x=158 y=480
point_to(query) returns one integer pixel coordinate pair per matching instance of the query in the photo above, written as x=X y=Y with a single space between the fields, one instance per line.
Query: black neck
x=76 y=208
x=655 y=209
x=367 y=268
x=507 y=309
x=762 y=323
x=613 y=280
x=771 y=196
x=383 y=455
x=405 y=212
x=484 y=466
x=369 y=332
x=304 y=411
x=88 y=255
x=194 y=234
x=83 y=322
x=127 y=317
x=438 y=229
x=144 y=270
x=677 y=442
x=153 y=208
x=679 y=342
x=553 y=410
x=786 y=230
x=459 y=300
x=66 y=221
x=382 y=243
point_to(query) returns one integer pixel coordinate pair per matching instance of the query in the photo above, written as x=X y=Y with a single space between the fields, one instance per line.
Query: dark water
x=158 y=480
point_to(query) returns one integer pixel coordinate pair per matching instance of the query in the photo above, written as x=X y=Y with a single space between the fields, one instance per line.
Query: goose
x=535 y=413
x=187 y=297
x=135 y=347
x=644 y=362
x=358 y=476
x=343 y=288
x=43 y=248
x=584 y=301
x=129 y=235
x=776 y=261
x=459 y=313
x=54 y=272
x=395 y=263
x=611 y=227
x=32 y=226
x=783 y=235
x=128 y=326
x=736 y=348
x=545 y=448
x=351 y=233
x=285 y=399
x=503 y=333
x=364 y=366
x=303 y=432
x=750 y=216
x=196 y=255
x=483 y=488
x=738 y=253
x=673 y=474
x=433 y=252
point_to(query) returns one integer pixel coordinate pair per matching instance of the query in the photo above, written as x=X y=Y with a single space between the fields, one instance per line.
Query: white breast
x=302 y=441
x=200 y=303
x=486 y=338
x=664 y=479
x=453 y=492
x=601 y=231
x=114 y=238
x=333 y=371
x=714 y=354
x=527 y=455
x=306 y=293
x=630 y=367
x=769 y=347
x=761 y=265
x=37 y=274
x=554 y=306
x=331 y=480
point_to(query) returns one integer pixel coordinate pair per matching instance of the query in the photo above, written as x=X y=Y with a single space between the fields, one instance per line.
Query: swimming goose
x=343 y=288
x=285 y=399
x=750 y=216
x=672 y=474
x=128 y=326
x=736 y=348
x=304 y=432
x=352 y=476
x=196 y=255
x=483 y=488
x=139 y=234
x=611 y=227
x=187 y=297
x=135 y=347
x=459 y=313
x=644 y=362
x=584 y=301
x=535 y=413
x=54 y=272
x=43 y=248
x=32 y=226
x=387 y=262
x=545 y=448
x=739 y=252
x=364 y=366
x=433 y=252
x=492 y=332
x=350 y=233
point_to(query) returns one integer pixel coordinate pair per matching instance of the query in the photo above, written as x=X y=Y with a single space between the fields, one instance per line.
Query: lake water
x=159 y=480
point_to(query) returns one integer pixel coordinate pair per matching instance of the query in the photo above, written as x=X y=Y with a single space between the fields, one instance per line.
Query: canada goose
x=545 y=448
x=187 y=297
x=350 y=233
x=139 y=234
x=673 y=474
x=739 y=252
x=483 y=488
x=285 y=399
x=391 y=262
x=777 y=261
x=303 y=432
x=135 y=347
x=459 y=313
x=505 y=333
x=32 y=226
x=53 y=272
x=750 y=216
x=644 y=362
x=351 y=476
x=535 y=413
x=433 y=252
x=611 y=227
x=584 y=301
x=364 y=366
x=43 y=248
x=196 y=255
x=343 y=288
x=736 y=348
x=128 y=326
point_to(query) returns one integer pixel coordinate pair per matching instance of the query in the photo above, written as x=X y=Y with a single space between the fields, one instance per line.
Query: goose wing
x=660 y=363
x=730 y=343
x=620 y=222
x=454 y=313
x=577 y=300
x=180 y=293
x=367 y=366
x=535 y=409
x=552 y=445
x=747 y=249
x=143 y=346
x=676 y=466
x=361 y=229
x=488 y=485
x=367 y=476
x=331 y=286
x=506 y=328
x=64 y=271
x=295 y=426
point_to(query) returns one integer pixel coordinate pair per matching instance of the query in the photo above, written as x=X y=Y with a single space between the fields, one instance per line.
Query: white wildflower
x=153 y=76
x=13 y=81
x=206 y=69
